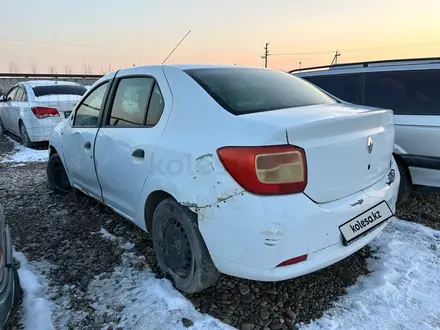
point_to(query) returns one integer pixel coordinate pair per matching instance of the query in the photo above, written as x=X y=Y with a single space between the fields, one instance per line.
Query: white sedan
x=244 y=171
x=32 y=109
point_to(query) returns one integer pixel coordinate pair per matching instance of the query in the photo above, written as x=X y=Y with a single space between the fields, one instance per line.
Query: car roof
x=36 y=83
x=138 y=69
x=384 y=65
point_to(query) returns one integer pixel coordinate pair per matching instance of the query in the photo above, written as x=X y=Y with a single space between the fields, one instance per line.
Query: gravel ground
x=58 y=231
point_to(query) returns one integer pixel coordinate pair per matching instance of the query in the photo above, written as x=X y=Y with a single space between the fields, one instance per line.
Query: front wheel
x=56 y=175
x=180 y=249
x=2 y=127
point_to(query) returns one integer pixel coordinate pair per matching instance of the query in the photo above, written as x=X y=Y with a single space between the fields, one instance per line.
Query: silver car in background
x=411 y=88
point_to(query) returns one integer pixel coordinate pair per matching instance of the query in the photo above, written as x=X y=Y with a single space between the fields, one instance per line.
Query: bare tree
x=52 y=70
x=88 y=68
x=33 y=68
x=68 y=69
x=110 y=68
x=13 y=68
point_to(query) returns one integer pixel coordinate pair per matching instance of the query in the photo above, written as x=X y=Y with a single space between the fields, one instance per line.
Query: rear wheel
x=56 y=175
x=180 y=249
x=25 y=137
x=405 y=181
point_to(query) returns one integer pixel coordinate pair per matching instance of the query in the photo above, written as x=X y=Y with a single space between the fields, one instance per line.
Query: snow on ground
x=36 y=312
x=149 y=303
x=403 y=291
x=21 y=154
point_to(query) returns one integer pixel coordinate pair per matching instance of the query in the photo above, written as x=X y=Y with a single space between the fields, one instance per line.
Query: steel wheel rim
x=175 y=247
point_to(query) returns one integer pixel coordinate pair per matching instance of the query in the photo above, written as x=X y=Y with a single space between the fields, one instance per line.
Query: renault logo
x=370 y=144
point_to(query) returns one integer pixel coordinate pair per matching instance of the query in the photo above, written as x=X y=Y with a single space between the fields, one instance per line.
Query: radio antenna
x=176 y=46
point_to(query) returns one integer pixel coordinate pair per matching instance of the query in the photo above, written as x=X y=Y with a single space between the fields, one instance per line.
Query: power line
x=50 y=43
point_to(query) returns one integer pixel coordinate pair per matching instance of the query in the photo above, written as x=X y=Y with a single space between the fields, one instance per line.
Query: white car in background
x=32 y=109
x=244 y=171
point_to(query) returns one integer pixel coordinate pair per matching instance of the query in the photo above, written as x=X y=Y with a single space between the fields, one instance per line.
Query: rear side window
x=405 y=92
x=59 y=90
x=138 y=101
x=129 y=106
x=248 y=90
x=346 y=87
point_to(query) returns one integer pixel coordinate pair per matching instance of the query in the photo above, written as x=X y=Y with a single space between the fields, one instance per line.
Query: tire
x=18 y=292
x=2 y=127
x=57 y=176
x=176 y=237
x=25 y=137
x=405 y=182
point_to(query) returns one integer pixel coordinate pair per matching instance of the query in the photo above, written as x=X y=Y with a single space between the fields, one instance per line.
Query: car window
x=405 y=92
x=87 y=113
x=129 y=106
x=24 y=98
x=11 y=94
x=155 y=108
x=347 y=87
x=59 y=89
x=247 y=90
x=19 y=94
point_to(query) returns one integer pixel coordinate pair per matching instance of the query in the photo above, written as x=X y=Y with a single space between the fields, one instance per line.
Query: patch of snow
x=105 y=234
x=149 y=303
x=21 y=154
x=36 y=309
x=403 y=290
x=18 y=165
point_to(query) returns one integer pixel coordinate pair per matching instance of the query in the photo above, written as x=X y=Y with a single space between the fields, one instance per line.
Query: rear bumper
x=248 y=236
x=39 y=130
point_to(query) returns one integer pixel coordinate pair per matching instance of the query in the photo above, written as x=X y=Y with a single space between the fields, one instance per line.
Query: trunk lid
x=348 y=148
x=63 y=103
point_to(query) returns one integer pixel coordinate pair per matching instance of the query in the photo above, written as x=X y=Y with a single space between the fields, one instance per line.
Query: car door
x=126 y=140
x=14 y=110
x=5 y=110
x=79 y=141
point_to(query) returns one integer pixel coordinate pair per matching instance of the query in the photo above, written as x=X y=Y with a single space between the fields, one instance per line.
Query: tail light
x=44 y=112
x=267 y=170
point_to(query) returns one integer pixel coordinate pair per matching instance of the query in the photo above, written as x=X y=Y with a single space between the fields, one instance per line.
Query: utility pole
x=335 y=58
x=266 y=54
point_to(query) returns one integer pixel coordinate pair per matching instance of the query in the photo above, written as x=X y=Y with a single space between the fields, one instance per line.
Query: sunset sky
x=54 y=33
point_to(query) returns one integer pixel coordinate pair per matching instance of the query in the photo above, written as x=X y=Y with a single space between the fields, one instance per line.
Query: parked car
x=10 y=290
x=411 y=89
x=32 y=109
x=244 y=171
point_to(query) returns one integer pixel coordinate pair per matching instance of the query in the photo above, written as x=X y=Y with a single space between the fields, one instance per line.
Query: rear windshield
x=59 y=90
x=247 y=90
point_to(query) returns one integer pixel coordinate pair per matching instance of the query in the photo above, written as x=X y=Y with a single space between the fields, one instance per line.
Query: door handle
x=139 y=153
x=87 y=145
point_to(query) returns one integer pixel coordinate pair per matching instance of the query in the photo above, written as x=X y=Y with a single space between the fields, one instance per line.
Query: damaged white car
x=244 y=171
